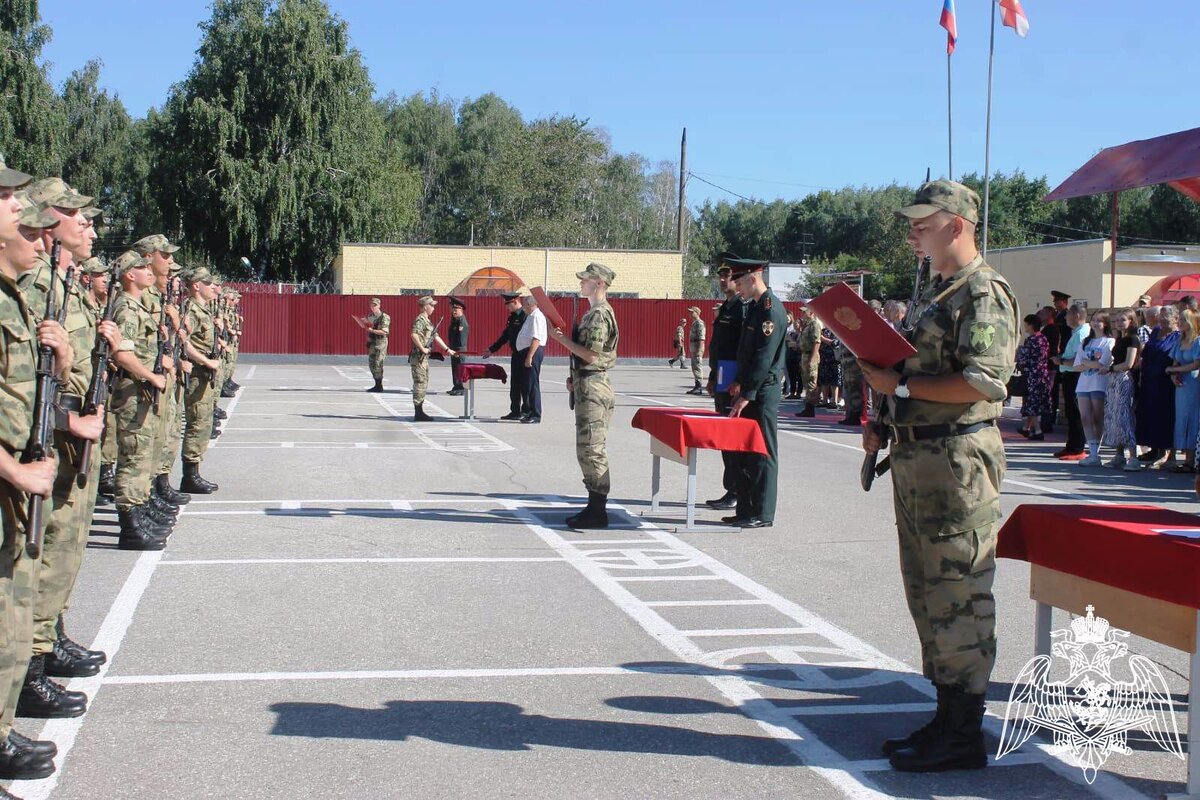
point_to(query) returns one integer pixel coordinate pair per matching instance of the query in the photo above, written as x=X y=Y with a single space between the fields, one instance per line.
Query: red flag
x=1013 y=16
x=950 y=25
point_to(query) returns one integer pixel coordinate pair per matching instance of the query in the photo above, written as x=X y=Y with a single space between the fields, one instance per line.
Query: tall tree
x=31 y=118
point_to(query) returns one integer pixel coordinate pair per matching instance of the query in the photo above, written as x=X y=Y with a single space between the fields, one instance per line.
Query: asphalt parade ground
x=370 y=608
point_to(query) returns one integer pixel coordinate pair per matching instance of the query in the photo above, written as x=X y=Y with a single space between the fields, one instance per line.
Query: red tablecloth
x=681 y=428
x=473 y=371
x=1115 y=545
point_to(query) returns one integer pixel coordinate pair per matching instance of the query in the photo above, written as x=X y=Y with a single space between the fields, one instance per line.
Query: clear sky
x=779 y=96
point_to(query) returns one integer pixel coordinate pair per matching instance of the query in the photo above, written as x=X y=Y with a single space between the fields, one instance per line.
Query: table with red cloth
x=468 y=373
x=1118 y=559
x=678 y=434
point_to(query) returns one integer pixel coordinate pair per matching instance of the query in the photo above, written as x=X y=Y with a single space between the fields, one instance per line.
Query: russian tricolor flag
x=950 y=25
x=1013 y=16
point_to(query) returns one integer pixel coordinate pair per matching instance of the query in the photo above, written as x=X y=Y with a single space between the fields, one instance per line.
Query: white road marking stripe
x=689 y=603
x=377 y=560
x=399 y=674
x=1011 y=760
x=826 y=709
x=653 y=578
x=250 y=373
x=744 y=632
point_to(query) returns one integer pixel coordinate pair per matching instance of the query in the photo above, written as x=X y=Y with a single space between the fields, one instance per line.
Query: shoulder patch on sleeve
x=983 y=335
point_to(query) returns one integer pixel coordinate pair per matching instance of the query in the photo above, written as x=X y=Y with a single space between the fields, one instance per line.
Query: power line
x=764 y=180
x=723 y=189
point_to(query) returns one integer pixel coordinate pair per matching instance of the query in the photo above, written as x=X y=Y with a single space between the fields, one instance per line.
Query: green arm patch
x=983 y=335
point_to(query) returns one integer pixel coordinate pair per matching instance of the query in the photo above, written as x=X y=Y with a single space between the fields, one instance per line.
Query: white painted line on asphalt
x=610 y=541
x=306 y=501
x=290 y=504
x=328 y=446
x=485 y=441
x=665 y=578
x=221 y=562
x=229 y=414
x=746 y=632
x=309 y=428
x=1010 y=760
x=826 y=709
x=690 y=603
x=401 y=505
x=364 y=406
x=400 y=674
x=250 y=373
x=812 y=438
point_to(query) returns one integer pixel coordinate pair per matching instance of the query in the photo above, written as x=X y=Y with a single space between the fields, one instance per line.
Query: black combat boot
x=920 y=735
x=158 y=521
x=810 y=410
x=228 y=391
x=135 y=534
x=61 y=664
x=99 y=656
x=237 y=387
x=595 y=515
x=419 y=414
x=957 y=742
x=39 y=747
x=219 y=413
x=162 y=484
x=23 y=765
x=44 y=699
x=108 y=480
x=378 y=387
x=216 y=430
x=163 y=511
x=697 y=389
x=193 y=483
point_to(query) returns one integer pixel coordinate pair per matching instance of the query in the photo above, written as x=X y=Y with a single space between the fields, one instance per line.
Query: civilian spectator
x=1186 y=355
x=1095 y=354
x=1155 y=411
x=1031 y=360
x=1050 y=331
x=1119 y=429
x=1076 y=331
x=531 y=342
x=1148 y=316
x=829 y=371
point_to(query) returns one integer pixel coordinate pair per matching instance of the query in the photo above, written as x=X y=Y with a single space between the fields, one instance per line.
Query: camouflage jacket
x=810 y=337
x=18 y=362
x=696 y=335
x=139 y=328
x=78 y=322
x=597 y=331
x=423 y=328
x=200 y=322
x=384 y=323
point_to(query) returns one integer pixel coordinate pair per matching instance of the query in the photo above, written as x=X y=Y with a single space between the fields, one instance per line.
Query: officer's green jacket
x=727 y=333
x=761 y=348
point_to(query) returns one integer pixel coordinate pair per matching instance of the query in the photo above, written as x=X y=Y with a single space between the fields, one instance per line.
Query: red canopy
x=1174 y=288
x=1173 y=159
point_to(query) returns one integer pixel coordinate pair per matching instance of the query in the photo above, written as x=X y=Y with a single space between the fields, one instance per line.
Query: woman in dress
x=1155 y=410
x=1118 y=407
x=829 y=371
x=1032 y=361
x=1186 y=355
x=1092 y=388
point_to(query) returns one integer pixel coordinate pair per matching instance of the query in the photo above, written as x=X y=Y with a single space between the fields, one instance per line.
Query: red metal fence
x=299 y=324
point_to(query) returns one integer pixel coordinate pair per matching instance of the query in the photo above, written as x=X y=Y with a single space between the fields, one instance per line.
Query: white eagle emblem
x=1090 y=714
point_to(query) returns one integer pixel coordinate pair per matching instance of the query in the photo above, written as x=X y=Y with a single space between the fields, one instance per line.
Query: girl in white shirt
x=1095 y=354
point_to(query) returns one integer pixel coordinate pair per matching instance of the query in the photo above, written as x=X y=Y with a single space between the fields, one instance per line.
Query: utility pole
x=680 y=243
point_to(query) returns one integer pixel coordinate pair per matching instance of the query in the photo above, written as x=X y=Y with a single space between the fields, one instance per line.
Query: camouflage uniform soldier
x=377 y=325
x=947 y=467
x=20 y=757
x=233 y=320
x=853 y=388
x=677 y=345
x=810 y=360
x=202 y=388
x=757 y=393
x=593 y=348
x=142 y=526
x=696 y=335
x=423 y=335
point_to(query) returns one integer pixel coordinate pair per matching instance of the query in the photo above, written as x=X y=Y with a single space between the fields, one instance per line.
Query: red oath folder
x=547 y=308
x=869 y=336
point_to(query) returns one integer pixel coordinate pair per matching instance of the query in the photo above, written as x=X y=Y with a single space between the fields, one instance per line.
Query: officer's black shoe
x=61 y=664
x=136 y=533
x=512 y=416
x=754 y=522
x=39 y=747
x=921 y=735
x=851 y=421
x=44 y=699
x=727 y=500
x=419 y=414
x=108 y=479
x=956 y=744
x=735 y=520
x=99 y=656
x=595 y=515
x=193 y=483
x=456 y=391
x=219 y=413
x=810 y=410
x=23 y=765
x=167 y=492
x=378 y=387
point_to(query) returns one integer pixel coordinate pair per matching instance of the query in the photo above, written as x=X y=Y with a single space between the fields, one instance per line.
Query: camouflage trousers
x=375 y=357
x=419 y=362
x=853 y=388
x=137 y=437
x=108 y=442
x=170 y=434
x=18 y=585
x=947 y=498
x=697 y=355
x=86 y=506
x=594 y=402
x=808 y=377
x=198 y=414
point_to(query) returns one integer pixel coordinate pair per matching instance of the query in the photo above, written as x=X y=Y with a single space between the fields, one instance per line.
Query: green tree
x=31 y=117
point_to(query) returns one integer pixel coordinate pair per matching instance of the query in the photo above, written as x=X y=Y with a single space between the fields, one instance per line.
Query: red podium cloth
x=470 y=372
x=1115 y=545
x=681 y=428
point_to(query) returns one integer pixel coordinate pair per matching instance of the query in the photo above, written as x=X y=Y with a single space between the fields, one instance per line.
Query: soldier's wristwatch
x=901 y=390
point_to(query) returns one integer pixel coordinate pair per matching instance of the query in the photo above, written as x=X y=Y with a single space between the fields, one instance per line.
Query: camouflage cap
x=375 y=301
x=596 y=270
x=93 y=266
x=694 y=310
x=54 y=192
x=11 y=178
x=91 y=212
x=154 y=243
x=32 y=216
x=127 y=261
x=217 y=279
x=937 y=196
x=426 y=300
x=200 y=275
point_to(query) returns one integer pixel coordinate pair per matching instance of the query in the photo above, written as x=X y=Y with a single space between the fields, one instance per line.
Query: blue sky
x=779 y=98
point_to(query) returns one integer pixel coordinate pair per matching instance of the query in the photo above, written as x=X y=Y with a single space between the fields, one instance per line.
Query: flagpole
x=987 y=146
x=949 y=123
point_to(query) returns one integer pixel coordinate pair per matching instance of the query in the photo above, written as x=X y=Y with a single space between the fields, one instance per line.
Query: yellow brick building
x=403 y=268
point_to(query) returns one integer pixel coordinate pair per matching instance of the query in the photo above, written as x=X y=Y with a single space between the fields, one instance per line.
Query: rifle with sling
x=433 y=354
x=161 y=349
x=99 y=388
x=180 y=351
x=38 y=448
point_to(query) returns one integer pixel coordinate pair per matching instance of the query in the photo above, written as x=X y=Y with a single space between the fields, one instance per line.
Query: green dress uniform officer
x=947 y=466
x=696 y=334
x=20 y=757
x=423 y=335
x=757 y=392
x=727 y=334
x=593 y=349
x=460 y=332
x=377 y=325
